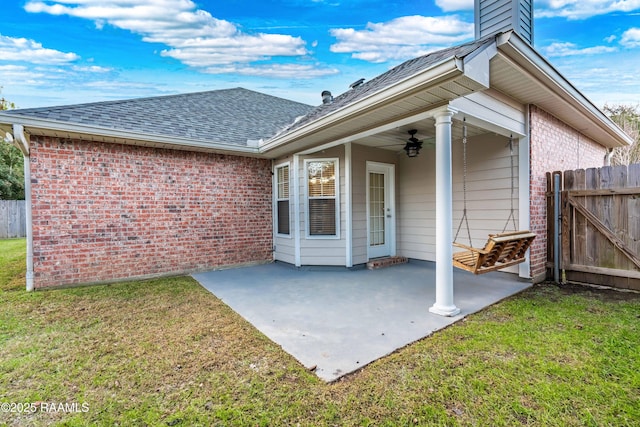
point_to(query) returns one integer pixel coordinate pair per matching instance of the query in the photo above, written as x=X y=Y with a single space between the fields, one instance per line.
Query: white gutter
x=22 y=143
x=69 y=130
x=446 y=70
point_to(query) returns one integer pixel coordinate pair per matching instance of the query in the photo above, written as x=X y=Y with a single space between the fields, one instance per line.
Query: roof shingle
x=394 y=75
x=230 y=116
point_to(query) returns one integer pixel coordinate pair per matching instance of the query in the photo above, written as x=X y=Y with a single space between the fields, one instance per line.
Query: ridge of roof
x=231 y=116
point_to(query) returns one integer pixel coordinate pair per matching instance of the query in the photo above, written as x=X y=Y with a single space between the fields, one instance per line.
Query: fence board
x=580 y=222
x=633 y=203
x=600 y=225
x=12 y=219
x=618 y=218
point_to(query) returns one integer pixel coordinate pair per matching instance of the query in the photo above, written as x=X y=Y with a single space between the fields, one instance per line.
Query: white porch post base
x=447 y=311
x=444 y=304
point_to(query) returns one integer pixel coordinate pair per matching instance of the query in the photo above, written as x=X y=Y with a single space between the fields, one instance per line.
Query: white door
x=381 y=239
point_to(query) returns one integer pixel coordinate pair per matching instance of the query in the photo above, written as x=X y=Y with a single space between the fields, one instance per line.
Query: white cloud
x=454 y=5
x=571 y=49
x=631 y=38
x=24 y=50
x=21 y=75
x=291 y=71
x=193 y=36
x=92 y=69
x=401 y=38
x=582 y=9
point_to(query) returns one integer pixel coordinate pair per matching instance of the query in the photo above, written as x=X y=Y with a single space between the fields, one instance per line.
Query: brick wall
x=107 y=211
x=554 y=146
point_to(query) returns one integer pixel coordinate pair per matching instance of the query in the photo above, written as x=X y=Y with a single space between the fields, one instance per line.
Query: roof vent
x=356 y=84
x=327 y=98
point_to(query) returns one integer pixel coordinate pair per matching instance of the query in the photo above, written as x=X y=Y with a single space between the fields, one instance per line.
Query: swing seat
x=501 y=251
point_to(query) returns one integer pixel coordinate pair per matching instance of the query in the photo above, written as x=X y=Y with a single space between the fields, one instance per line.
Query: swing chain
x=512 y=216
x=464 y=185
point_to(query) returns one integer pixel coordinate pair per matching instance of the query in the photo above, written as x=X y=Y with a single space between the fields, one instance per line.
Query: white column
x=348 y=206
x=444 y=305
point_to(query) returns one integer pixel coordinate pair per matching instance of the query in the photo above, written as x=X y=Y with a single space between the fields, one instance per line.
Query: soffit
x=529 y=85
x=388 y=112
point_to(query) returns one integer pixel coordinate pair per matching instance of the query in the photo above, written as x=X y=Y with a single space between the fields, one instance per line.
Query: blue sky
x=55 y=52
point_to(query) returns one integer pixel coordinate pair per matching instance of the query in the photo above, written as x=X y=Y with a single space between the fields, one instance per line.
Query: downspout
x=524 y=193
x=23 y=144
x=607 y=157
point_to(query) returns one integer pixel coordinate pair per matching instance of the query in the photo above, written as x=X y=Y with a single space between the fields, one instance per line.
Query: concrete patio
x=339 y=320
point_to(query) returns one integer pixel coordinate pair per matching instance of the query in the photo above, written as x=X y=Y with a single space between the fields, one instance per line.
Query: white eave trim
x=73 y=130
x=443 y=71
x=524 y=55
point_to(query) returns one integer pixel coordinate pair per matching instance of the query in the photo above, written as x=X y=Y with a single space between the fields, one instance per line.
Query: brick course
x=104 y=212
x=555 y=146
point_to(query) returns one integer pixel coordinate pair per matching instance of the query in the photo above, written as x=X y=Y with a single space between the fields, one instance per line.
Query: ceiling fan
x=412 y=145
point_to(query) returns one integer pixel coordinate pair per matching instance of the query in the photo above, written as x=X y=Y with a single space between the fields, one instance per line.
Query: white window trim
x=337 y=196
x=276 y=200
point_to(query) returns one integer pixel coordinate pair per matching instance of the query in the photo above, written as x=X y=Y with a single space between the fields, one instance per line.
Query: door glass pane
x=376 y=209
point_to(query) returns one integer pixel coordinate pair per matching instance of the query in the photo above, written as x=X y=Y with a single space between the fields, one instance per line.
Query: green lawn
x=167 y=352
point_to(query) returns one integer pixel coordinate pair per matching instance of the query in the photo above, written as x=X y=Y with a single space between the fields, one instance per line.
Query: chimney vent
x=496 y=16
x=356 y=84
x=327 y=98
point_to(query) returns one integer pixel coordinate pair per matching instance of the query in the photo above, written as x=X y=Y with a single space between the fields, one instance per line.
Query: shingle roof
x=230 y=116
x=396 y=74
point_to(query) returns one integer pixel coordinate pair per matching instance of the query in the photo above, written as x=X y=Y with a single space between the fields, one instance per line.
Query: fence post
x=556 y=228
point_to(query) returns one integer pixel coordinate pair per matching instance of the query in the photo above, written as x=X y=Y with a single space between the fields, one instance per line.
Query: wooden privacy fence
x=598 y=227
x=12 y=219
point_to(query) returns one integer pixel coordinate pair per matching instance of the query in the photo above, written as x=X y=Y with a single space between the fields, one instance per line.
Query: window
x=282 y=199
x=322 y=192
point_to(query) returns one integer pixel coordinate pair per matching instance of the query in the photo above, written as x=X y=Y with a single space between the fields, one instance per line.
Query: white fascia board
x=445 y=70
x=487 y=111
x=53 y=126
x=524 y=55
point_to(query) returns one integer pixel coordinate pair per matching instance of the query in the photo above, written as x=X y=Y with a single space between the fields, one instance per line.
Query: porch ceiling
x=395 y=139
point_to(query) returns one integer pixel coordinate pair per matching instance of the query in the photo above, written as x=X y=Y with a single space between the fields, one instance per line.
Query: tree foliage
x=11 y=165
x=628 y=118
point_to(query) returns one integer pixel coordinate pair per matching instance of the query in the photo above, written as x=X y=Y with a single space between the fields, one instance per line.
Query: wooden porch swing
x=502 y=250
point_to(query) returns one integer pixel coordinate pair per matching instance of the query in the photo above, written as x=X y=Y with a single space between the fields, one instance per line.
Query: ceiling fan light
x=413 y=145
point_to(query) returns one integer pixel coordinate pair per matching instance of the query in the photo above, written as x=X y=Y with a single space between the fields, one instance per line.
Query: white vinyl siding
x=488 y=195
x=493 y=16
